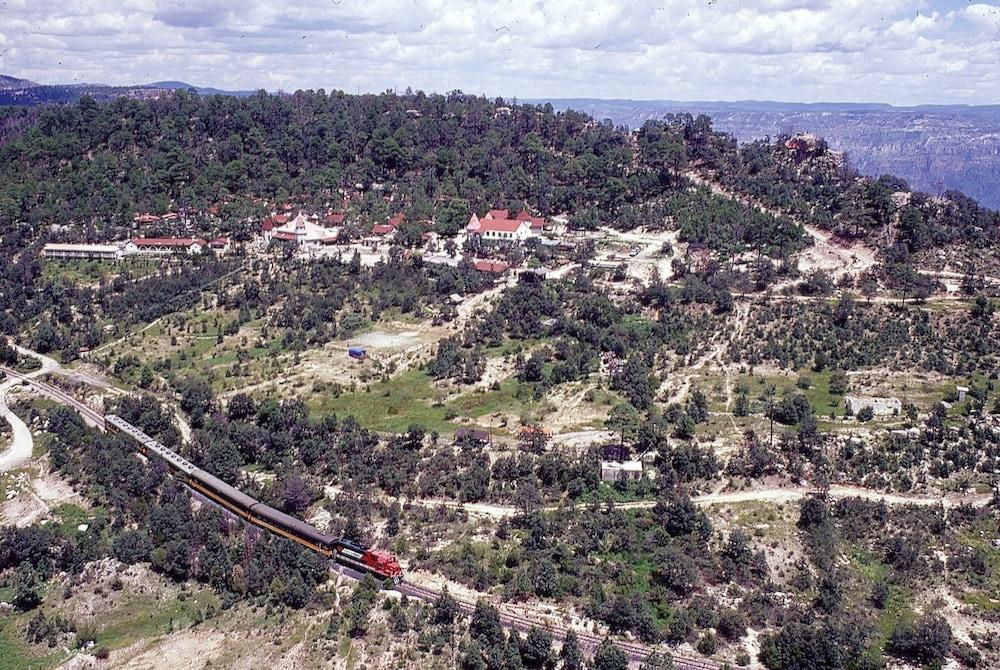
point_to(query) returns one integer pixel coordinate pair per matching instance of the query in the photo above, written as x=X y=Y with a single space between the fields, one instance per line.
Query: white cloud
x=901 y=51
x=985 y=19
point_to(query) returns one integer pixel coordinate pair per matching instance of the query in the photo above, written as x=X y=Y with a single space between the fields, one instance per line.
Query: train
x=380 y=564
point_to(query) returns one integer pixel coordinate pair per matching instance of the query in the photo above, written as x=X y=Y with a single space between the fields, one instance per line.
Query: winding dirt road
x=824 y=254
x=22 y=443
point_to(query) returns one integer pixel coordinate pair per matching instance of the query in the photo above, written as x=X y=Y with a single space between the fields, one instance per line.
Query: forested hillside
x=439 y=157
x=104 y=162
x=820 y=187
x=934 y=147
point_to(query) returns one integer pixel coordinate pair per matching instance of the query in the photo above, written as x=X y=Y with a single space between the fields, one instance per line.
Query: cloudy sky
x=897 y=51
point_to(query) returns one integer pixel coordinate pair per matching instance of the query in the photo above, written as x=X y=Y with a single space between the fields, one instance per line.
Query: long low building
x=103 y=252
x=879 y=406
x=165 y=246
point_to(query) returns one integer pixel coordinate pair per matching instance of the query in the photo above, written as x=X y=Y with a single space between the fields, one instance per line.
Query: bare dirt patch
x=837 y=258
x=191 y=648
x=33 y=493
x=94 y=599
x=573 y=411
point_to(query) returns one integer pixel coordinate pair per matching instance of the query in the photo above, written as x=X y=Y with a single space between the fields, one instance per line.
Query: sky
x=897 y=51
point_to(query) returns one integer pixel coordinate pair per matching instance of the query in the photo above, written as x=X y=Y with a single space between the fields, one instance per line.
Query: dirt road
x=824 y=254
x=22 y=444
x=775 y=495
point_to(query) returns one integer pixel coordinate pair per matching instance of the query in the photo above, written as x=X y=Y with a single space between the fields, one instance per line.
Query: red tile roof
x=493 y=267
x=219 y=242
x=382 y=229
x=499 y=225
x=498 y=214
x=280 y=218
x=267 y=224
x=284 y=235
x=397 y=220
x=537 y=222
x=335 y=217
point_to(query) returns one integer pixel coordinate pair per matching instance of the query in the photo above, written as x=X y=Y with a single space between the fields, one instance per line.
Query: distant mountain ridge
x=615 y=104
x=15 y=91
x=202 y=90
x=934 y=147
x=7 y=83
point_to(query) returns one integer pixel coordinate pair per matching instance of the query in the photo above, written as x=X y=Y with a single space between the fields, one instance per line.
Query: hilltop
x=934 y=147
x=22 y=92
x=10 y=83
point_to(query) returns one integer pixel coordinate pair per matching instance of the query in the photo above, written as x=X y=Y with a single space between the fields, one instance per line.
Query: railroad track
x=636 y=652
x=59 y=395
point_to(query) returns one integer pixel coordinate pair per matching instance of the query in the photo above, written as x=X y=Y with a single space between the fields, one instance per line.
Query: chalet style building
x=497 y=226
x=299 y=231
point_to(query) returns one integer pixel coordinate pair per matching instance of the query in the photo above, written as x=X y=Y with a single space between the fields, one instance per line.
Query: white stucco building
x=164 y=246
x=880 y=406
x=101 y=252
x=489 y=229
x=614 y=471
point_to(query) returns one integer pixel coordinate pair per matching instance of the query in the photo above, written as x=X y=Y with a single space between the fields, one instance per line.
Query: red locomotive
x=366 y=559
x=381 y=564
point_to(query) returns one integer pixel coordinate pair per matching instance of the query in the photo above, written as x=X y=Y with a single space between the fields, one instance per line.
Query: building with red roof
x=491 y=267
x=498 y=230
x=300 y=230
x=220 y=245
x=537 y=222
x=389 y=228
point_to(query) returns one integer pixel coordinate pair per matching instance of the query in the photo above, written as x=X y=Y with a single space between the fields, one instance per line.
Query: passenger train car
x=380 y=564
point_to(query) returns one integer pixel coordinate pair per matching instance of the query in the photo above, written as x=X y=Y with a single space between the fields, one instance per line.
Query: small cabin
x=620 y=471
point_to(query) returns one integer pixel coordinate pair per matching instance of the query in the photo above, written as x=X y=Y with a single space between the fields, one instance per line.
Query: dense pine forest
x=438 y=157
x=90 y=162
